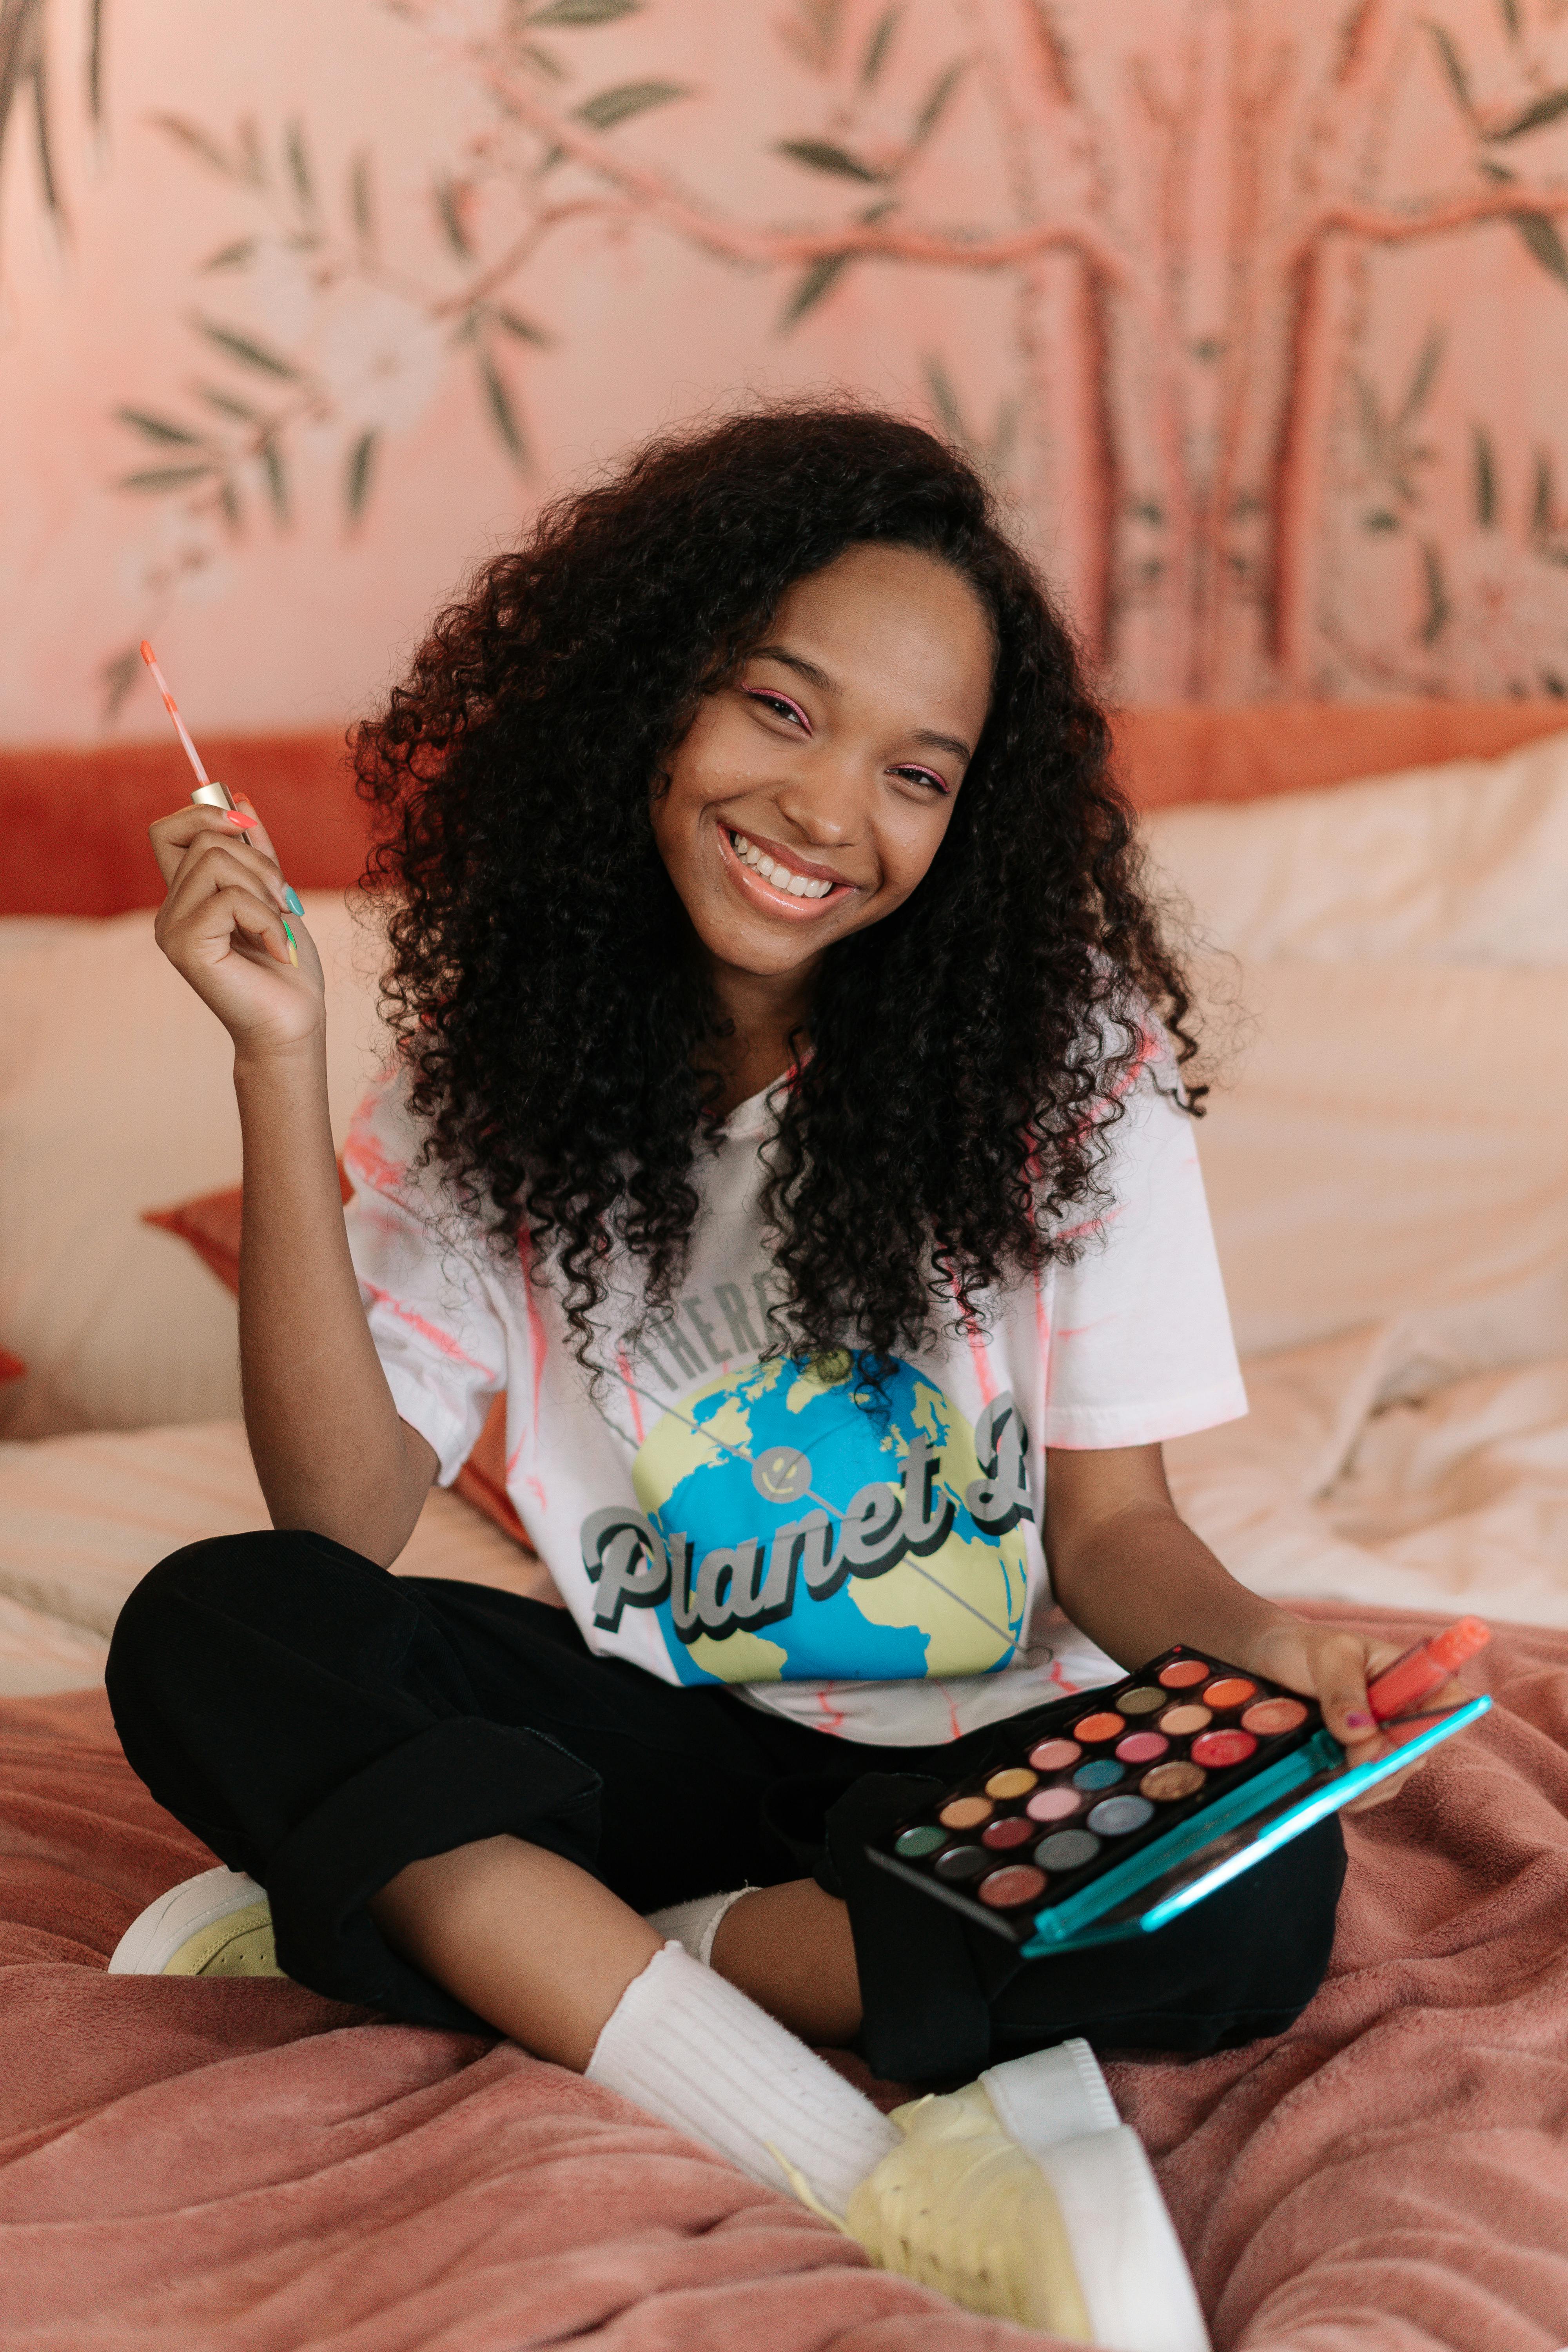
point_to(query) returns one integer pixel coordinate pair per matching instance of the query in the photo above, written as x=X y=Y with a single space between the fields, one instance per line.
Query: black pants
x=321 y=1723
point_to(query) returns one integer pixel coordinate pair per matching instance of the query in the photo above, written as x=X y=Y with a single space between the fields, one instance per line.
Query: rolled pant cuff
x=460 y=1781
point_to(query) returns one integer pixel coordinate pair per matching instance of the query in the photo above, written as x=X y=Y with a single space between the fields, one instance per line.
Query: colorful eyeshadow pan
x=1066 y=1850
x=1120 y=1816
x=914 y=1844
x=1216 y=1749
x=1093 y=1729
x=1000 y=1835
x=1181 y=1722
x=1130 y=1778
x=1167 y=1782
x=1006 y=1888
x=1052 y=1805
x=1141 y=1747
x=1141 y=1701
x=1272 y=1715
x=1055 y=1755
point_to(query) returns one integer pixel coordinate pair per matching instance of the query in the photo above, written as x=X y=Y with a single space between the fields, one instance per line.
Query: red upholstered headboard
x=74 y=823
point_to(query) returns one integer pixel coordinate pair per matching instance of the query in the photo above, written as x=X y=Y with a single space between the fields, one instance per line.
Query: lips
x=780 y=880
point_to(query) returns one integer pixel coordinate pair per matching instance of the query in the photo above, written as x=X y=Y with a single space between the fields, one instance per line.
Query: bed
x=1380 y=940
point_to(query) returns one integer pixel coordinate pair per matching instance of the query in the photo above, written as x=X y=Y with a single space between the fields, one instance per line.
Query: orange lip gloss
x=1418 y=1673
x=209 y=793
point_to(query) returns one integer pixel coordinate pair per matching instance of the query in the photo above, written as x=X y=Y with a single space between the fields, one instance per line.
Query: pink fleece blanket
x=243 y=2168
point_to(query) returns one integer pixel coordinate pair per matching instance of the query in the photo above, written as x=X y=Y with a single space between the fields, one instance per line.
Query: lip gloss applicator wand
x=208 y=792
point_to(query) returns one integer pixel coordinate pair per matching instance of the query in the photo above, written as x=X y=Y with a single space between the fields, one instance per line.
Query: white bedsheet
x=1340 y=1487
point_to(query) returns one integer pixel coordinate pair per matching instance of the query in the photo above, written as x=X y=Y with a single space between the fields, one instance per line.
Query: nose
x=826 y=801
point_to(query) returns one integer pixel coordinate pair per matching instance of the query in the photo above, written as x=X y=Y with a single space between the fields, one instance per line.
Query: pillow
x=211 y=1225
x=1394 y=1137
x=1462 y=862
x=116 y=1095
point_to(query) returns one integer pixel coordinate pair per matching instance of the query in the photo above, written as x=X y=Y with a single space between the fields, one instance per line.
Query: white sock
x=695 y=1924
x=690 y=2048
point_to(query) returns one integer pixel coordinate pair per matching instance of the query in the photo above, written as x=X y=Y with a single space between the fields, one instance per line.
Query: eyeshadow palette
x=1123 y=1814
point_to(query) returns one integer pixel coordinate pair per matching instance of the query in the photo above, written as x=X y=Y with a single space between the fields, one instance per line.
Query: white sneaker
x=1025 y=2198
x=219 y=1924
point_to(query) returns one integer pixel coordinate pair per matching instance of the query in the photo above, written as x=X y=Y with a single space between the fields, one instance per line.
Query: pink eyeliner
x=770 y=694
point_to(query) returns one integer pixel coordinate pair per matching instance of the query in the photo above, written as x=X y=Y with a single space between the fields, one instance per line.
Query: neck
x=761 y=1013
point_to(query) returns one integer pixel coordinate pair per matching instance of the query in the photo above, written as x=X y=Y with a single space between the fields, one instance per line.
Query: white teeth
x=796 y=886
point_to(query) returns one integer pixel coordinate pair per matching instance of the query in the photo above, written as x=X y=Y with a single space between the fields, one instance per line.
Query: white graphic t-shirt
x=863 y=1558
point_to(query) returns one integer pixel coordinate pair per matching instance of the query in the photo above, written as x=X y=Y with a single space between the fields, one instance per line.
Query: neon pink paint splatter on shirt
x=633 y=1399
x=833 y=1716
x=980 y=1356
x=440 y=1340
x=1091 y=1225
x=538 y=1342
x=364 y=1156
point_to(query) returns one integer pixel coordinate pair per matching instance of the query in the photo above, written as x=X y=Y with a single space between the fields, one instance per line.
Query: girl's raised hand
x=222 y=925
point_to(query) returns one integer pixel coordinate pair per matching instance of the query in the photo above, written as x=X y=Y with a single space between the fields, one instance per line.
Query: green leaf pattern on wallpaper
x=1230 y=368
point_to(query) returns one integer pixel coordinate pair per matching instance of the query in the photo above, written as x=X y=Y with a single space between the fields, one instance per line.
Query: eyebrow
x=819 y=678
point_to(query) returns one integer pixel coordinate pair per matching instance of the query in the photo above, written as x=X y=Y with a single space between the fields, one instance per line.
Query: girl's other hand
x=1333 y=1665
x=224 y=927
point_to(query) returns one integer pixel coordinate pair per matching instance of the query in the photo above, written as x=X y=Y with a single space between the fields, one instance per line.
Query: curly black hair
x=951 y=1113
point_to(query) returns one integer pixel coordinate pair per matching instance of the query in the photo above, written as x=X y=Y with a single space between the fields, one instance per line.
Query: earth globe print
x=759 y=1449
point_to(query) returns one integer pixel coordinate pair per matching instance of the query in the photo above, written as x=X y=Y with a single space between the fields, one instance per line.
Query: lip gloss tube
x=1418 y=1673
x=209 y=793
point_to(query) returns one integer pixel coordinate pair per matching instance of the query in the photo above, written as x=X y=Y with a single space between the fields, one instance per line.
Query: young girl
x=786 y=1114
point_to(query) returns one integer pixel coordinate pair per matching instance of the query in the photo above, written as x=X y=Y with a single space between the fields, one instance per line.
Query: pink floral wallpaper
x=1257 y=310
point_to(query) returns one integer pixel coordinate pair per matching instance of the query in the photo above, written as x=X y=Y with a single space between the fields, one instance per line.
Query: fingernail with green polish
x=291 y=899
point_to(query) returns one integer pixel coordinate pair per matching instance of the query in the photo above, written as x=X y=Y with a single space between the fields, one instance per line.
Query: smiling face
x=810 y=794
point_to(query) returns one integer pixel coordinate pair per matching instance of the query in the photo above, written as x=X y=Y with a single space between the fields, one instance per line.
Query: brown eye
x=778 y=703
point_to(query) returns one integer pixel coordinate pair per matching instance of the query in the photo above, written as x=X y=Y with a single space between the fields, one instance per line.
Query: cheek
x=719 y=756
x=909 y=845
x=675 y=806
